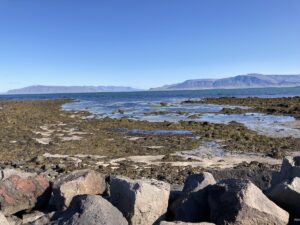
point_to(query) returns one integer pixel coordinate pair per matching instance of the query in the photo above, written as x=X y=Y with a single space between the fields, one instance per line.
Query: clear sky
x=144 y=43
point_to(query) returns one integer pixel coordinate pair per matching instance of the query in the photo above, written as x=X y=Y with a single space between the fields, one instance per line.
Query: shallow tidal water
x=172 y=110
x=166 y=106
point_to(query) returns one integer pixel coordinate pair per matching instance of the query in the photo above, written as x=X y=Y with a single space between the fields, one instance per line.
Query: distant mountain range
x=241 y=81
x=40 y=89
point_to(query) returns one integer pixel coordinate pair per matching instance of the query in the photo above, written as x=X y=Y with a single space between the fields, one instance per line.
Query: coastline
x=46 y=139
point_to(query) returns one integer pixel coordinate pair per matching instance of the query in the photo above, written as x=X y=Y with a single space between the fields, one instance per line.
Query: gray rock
x=6 y=173
x=3 y=220
x=197 y=182
x=290 y=168
x=192 y=206
x=13 y=220
x=140 y=201
x=287 y=196
x=90 y=210
x=239 y=202
x=44 y=220
x=76 y=183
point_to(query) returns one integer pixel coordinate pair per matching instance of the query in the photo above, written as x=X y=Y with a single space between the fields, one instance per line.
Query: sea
x=158 y=106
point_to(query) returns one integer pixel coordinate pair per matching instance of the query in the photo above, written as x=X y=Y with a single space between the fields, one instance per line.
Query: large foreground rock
x=90 y=210
x=76 y=183
x=242 y=203
x=21 y=193
x=193 y=206
x=140 y=201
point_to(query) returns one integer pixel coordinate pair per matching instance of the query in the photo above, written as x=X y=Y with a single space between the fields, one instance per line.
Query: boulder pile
x=86 y=197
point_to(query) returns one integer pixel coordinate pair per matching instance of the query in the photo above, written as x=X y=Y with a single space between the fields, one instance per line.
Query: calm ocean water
x=161 y=95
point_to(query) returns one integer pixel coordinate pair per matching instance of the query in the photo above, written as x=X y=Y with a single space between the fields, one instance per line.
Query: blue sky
x=144 y=43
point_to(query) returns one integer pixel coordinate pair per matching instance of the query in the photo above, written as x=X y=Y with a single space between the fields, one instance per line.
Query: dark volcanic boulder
x=90 y=210
x=21 y=193
x=242 y=203
x=192 y=205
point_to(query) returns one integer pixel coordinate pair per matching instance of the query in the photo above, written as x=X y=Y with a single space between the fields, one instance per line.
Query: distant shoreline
x=149 y=91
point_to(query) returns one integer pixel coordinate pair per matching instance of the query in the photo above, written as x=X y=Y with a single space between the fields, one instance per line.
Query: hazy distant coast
x=41 y=89
x=236 y=82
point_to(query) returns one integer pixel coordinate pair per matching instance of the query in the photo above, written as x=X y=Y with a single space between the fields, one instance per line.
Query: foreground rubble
x=87 y=197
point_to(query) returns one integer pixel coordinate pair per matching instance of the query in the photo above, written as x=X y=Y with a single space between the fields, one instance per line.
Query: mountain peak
x=251 y=80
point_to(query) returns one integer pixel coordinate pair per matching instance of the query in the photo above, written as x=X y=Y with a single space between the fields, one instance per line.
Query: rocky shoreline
x=87 y=197
x=66 y=167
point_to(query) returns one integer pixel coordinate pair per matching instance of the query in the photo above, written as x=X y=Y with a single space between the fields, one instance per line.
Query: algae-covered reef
x=29 y=128
x=74 y=140
x=275 y=106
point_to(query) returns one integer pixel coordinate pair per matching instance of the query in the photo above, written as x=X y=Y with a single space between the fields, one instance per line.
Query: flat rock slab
x=17 y=193
x=140 y=201
x=76 y=183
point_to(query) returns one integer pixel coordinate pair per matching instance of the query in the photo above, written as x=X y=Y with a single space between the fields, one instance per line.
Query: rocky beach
x=60 y=166
x=149 y=112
